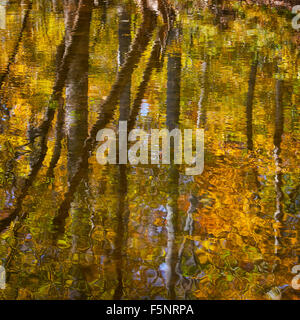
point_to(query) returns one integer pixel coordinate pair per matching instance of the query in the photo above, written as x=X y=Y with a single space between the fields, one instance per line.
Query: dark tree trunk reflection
x=77 y=132
x=122 y=214
x=173 y=113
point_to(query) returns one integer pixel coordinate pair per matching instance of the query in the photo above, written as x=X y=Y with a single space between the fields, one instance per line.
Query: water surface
x=73 y=229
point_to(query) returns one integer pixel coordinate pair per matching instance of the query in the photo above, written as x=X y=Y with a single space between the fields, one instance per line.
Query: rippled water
x=73 y=229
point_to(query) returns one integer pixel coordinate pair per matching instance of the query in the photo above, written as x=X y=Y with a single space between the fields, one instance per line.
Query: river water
x=74 y=229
